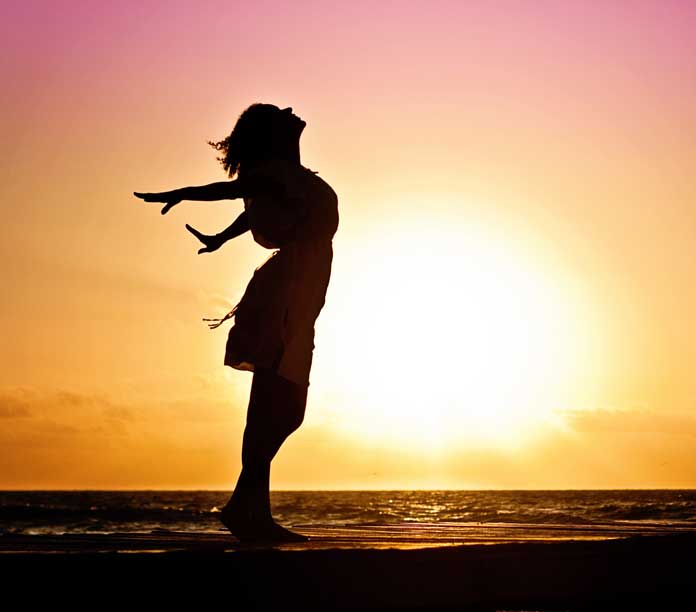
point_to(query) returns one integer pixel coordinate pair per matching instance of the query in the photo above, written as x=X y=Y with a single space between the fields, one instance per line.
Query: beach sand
x=450 y=566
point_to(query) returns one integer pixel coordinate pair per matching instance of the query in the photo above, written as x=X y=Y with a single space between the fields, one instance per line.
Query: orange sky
x=512 y=295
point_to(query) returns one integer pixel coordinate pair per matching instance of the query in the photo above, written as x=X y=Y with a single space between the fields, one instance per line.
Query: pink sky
x=564 y=128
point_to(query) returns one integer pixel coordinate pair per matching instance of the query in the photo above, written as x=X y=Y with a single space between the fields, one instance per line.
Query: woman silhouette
x=290 y=209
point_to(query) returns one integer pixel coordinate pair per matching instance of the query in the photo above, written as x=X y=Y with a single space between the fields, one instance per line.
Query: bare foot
x=281 y=534
x=246 y=528
x=239 y=523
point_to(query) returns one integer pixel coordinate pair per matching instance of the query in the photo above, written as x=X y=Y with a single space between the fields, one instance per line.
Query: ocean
x=56 y=512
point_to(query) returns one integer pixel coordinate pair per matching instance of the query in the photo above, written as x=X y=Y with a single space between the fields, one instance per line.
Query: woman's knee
x=296 y=419
x=298 y=404
x=276 y=410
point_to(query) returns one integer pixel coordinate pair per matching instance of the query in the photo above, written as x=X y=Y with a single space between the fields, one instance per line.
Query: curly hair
x=255 y=137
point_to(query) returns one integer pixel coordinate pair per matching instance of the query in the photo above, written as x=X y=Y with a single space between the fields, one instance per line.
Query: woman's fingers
x=165 y=196
x=149 y=197
x=194 y=231
x=169 y=206
x=208 y=248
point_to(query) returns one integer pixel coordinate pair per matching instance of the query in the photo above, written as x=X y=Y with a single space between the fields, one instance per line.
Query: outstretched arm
x=224 y=190
x=213 y=243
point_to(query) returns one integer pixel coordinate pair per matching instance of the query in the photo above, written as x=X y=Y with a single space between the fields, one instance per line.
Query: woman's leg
x=276 y=409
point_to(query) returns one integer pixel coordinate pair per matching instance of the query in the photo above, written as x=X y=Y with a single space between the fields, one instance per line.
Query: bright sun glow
x=450 y=339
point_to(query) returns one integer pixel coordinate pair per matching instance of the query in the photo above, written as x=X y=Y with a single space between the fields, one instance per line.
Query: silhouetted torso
x=274 y=324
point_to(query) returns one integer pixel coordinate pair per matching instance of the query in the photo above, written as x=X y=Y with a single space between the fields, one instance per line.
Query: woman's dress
x=274 y=321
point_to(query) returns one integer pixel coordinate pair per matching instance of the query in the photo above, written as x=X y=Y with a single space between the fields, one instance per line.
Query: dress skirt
x=274 y=321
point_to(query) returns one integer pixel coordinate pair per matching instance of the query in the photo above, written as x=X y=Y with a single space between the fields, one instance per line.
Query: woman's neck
x=295 y=153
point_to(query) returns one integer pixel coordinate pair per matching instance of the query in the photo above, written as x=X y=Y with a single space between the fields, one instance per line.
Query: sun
x=449 y=337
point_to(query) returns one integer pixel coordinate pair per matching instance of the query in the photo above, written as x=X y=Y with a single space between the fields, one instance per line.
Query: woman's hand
x=170 y=197
x=212 y=243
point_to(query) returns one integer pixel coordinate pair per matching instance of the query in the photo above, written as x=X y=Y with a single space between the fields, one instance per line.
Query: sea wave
x=143 y=511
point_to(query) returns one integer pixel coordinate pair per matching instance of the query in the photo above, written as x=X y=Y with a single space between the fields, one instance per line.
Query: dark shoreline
x=653 y=572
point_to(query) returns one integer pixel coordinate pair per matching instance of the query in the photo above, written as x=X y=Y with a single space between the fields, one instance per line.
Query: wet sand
x=399 y=567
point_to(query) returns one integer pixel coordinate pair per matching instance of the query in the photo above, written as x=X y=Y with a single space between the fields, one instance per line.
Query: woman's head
x=263 y=131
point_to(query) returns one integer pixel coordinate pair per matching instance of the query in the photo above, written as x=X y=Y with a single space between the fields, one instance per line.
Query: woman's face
x=294 y=123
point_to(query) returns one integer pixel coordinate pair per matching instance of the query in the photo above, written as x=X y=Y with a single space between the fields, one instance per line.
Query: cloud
x=74 y=400
x=13 y=406
x=74 y=438
x=57 y=418
x=632 y=421
x=191 y=437
x=119 y=413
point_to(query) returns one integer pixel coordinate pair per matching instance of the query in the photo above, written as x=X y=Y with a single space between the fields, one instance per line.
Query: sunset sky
x=514 y=285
